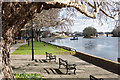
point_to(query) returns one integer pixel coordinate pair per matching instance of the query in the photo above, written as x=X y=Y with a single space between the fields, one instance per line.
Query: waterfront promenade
x=23 y=63
x=15 y=46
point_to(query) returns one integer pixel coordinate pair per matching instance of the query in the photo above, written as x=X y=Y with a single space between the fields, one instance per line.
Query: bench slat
x=50 y=57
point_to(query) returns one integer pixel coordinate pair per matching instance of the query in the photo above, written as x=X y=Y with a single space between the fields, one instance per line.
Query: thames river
x=105 y=47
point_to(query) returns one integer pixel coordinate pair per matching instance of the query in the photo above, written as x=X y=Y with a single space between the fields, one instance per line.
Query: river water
x=105 y=47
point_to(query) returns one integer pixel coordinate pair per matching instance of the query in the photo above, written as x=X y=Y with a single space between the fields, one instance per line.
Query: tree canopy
x=116 y=31
x=89 y=31
x=51 y=18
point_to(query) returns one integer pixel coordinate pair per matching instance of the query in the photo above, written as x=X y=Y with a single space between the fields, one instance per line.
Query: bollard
x=118 y=59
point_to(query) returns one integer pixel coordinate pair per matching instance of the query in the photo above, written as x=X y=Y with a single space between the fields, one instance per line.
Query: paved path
x=23 y=63
x=15 y=46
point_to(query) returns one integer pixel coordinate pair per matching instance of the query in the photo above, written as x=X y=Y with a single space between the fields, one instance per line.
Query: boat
x=74 y=38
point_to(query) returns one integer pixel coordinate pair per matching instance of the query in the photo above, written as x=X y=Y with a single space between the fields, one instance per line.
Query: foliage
x=89 y=31
x=51 y=18
x=39 y=49
x=116 y=32
x=25 y=76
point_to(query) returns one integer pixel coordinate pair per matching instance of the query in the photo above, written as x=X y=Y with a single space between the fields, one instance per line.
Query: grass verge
x=39 y=49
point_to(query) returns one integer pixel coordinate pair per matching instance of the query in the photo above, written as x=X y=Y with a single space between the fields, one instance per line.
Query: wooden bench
x=66 y=65
x=94 y=78
x=50 y=57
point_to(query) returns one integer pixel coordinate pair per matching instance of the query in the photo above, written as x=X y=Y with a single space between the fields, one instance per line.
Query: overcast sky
x=82 y=22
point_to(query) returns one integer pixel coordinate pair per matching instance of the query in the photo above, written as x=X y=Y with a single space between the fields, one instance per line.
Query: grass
x=25 y=76
x=39 y=49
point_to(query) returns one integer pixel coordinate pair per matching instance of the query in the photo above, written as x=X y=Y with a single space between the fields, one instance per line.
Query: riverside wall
x=109 y=65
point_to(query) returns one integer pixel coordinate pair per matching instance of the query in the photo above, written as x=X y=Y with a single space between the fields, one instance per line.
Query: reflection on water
x=90 y=45
x=106 y=47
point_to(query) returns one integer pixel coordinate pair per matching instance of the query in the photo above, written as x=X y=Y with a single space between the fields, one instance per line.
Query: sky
x=81 y=22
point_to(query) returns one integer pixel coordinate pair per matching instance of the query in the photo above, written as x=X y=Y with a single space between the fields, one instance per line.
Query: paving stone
x=79 y=71
x=50 y=70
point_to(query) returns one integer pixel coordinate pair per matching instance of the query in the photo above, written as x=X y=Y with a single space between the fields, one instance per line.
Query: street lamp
x=32 y=41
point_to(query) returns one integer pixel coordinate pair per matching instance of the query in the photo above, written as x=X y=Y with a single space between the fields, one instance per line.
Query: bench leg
x=74 y=71
x=66 y=71
x=55 y=59
x=59 y=66
x=49 y=60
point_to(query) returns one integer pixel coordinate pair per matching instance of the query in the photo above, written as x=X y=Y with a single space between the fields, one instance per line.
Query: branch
x=102 y=11
x=80 y=7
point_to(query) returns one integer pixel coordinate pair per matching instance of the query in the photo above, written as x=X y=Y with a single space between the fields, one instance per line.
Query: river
x=105 y=47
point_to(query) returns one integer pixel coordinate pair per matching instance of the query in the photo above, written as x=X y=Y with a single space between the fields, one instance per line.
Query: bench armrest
x=72 y=65
x=53 y=56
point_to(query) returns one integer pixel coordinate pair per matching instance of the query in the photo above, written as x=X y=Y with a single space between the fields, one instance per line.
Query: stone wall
x=101 y=62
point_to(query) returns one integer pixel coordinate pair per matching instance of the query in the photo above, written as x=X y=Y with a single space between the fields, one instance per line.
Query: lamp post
x=32 y=41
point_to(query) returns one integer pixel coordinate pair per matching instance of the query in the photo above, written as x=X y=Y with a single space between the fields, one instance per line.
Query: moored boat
x=74 y=38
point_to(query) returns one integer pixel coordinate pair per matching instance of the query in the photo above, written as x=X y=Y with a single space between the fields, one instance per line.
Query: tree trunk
x=19 y=35
x=10 y=27
x=6 y=68
x=38 y=38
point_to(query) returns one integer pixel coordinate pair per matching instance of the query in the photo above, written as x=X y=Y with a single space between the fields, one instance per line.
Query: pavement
x=15 y=46
x=24 y=64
